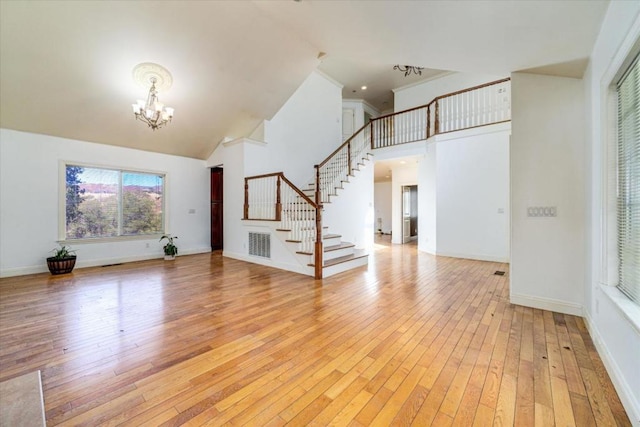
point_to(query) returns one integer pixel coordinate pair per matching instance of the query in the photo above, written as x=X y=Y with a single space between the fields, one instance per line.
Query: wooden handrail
x=408 y=110
x=469 y=89
x=446 y=95
x=298 y=191
x=284 y=178
x=266 y=175
x=337 y=150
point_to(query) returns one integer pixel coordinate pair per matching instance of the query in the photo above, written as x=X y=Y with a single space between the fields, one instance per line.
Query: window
x=628 y=182
x=105 y=203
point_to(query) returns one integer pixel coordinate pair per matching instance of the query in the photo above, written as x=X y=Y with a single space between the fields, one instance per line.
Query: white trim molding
x=549 y=304
x=36 y=269
x=625 y=392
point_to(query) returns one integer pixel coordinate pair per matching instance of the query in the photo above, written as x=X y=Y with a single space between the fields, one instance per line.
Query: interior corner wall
x=382 y=206
x=29 y=201
x=427 y=197
x=357 y=105
x=304 y=131
x=547 y=170
x=472 y=194
x=231 y=157
x=356 y=198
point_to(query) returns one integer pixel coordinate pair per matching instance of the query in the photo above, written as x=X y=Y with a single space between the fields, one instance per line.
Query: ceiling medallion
x=156 y=78
x=408 y=69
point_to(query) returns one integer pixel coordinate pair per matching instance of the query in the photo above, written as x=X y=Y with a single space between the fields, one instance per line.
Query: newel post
x=318 y=249
x=278 y=201
x=349 y=156
x=371 y=132
x=437 y=119
x=428 y=120
x=246 y=198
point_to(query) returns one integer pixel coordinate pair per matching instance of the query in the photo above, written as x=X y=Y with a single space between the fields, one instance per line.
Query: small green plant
x=170 y=249
x=63 y=252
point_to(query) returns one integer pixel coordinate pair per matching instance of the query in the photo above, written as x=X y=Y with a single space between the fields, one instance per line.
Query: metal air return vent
x=260 y=244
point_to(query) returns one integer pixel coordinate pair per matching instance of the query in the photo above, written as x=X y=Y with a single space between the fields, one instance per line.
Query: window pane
x=141 y=203
x=629 y=183
x=110 y=203
x=92 y=202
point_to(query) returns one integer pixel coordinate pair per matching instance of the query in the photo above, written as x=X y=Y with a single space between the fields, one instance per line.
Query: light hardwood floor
x=207 y=340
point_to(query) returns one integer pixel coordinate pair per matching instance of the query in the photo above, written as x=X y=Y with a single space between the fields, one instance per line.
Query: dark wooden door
x=216 y=208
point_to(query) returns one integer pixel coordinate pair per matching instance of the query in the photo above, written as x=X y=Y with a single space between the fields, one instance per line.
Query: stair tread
x=361 y=253
x=331 y=236
x=342 y=245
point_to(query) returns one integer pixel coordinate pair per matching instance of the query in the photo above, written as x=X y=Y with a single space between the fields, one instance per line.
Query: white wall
x=427 y=200
x=382 y=204
x=351 y=213
x=29 y=195
x=305 y=130
x=473 y=194
x=547 y=169
x=614 y=322
x=422 y=93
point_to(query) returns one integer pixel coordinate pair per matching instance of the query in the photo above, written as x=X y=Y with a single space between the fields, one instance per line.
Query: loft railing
x=482 y=105
x=272 y=197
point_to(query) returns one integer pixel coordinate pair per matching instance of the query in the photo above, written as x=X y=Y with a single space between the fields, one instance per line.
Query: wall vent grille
x=260 y=244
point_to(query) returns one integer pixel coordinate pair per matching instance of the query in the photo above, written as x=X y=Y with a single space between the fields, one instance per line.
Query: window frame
x=607 y=277
x=626 y=69
x=62 y=203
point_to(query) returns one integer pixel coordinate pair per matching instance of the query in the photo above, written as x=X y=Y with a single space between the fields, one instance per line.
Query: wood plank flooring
x=205 y=340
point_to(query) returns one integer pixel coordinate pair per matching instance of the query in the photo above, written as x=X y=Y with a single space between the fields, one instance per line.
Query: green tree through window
x=109 y=203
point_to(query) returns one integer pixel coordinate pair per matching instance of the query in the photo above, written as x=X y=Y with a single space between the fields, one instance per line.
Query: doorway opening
x=216 y=208
x=409 y=213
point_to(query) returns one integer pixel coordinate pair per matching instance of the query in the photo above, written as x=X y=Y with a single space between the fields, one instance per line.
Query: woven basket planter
x=61 y=266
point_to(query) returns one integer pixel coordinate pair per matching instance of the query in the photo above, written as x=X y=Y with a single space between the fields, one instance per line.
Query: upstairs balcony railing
x=482 y=105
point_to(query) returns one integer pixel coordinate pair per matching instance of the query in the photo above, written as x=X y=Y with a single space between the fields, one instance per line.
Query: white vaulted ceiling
x=65 y=66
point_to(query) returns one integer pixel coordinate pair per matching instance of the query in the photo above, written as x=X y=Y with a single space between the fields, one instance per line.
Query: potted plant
x=62 y=261
x=170 y=249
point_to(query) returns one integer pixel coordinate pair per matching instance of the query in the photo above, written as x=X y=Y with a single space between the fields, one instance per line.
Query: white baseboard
x=35 y=269
x=296 y=268
x=478 y=257
x=22 y=271
x=631 y=405
x=547 y=304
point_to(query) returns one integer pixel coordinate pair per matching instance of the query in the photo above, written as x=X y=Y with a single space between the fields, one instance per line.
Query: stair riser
x=345 y=266
x=331 y=241
x=337 y=253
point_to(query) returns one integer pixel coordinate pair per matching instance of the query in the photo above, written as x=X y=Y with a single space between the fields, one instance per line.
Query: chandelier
x=154 y=113
x=408 y=69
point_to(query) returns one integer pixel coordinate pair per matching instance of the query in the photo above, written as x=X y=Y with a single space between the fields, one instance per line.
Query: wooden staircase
x=272 y=197
x=337 y=255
